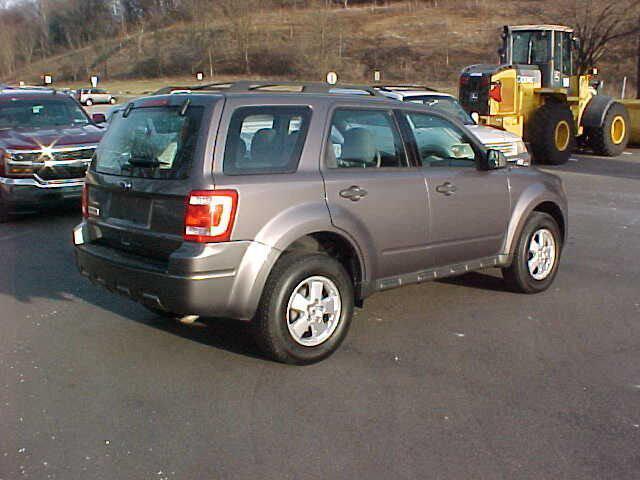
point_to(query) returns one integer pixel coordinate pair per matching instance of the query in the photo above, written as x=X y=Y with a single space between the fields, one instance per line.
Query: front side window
x=439 y=142
x=364 y=139
x=40 y=113
x=156 y=142
x=265 y=140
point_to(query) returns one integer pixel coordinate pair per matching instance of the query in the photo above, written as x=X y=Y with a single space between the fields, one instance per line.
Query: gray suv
x=288 y=205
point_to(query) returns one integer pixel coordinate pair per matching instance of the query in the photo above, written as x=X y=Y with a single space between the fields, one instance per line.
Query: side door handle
x=447 y=188
x=353 y=193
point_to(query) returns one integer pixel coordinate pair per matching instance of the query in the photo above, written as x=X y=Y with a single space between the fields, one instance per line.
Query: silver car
x=287 y=207
x=508 y=143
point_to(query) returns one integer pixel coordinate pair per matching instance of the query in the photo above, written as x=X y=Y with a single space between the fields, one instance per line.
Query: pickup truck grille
x=62 y=155
x=508 y=148
x=58 y=164
x=61 y=173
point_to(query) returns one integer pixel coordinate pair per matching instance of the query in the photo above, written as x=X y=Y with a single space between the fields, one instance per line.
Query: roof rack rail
x=401 y=87
x=6 y=90
x=272 y=86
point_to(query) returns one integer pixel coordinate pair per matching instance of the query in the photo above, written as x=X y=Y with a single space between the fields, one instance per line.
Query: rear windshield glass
x=41 y=113
x=154 y=142
x=265 y=140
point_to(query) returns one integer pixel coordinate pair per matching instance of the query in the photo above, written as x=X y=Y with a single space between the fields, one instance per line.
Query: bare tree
x=7 y=48
x=240 y=14
x=599 y=25
x=638 y=68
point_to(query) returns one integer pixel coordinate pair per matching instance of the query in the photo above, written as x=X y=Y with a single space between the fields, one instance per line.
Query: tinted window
x=567 y=47
x=439 y=142
x=364 y=139
x=37 y=113
x=530 y=47
x=153 y=142
x=265 y=140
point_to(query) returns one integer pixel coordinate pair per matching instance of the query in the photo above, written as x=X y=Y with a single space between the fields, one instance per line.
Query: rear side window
x=156 y=142
x=265 y=140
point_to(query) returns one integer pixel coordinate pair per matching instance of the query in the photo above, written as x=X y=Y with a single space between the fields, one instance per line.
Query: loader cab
x=549 y=47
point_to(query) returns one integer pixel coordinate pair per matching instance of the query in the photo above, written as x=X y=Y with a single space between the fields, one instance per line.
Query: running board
x=442 y=272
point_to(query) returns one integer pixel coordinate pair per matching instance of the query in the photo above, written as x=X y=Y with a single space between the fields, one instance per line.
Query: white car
x=511 y=145
x=91 y=96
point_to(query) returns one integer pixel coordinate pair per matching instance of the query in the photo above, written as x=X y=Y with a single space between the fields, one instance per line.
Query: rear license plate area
x=130 y=209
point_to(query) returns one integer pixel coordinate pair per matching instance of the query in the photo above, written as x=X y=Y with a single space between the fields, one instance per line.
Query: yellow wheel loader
x=538 y=94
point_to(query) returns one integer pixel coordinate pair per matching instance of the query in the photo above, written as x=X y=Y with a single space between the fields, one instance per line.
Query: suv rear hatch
x=140 y=177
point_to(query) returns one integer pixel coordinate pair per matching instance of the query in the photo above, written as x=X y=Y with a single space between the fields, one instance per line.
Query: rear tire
x=89 y=102
x=112 y=101
x=552 y=134
x=523 y=275
x=612 y=137
x=288 y=298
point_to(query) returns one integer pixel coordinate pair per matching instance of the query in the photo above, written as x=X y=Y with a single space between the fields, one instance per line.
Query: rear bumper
x=28 y=194
x=213 y=280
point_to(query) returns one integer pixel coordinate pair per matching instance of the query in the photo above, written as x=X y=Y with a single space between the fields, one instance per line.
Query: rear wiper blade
x=146 y=162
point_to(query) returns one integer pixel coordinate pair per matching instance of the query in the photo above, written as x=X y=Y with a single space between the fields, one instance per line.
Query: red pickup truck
x=46 y=144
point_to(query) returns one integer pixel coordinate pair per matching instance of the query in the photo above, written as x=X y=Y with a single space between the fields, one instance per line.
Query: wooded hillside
x=425 y=41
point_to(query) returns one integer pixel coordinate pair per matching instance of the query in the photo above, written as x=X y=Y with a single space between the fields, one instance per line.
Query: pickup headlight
x=521 y=147
x=522 y=154
x=12 y=167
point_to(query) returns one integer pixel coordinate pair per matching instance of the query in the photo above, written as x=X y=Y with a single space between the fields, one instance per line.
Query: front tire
x=612 y=137
x=552 y=134
x=4 y=212
x=305 y=310
x=537 y=255
x=112 y=101
x=89 y=102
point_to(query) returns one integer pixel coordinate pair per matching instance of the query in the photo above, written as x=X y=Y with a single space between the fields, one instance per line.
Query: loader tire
x=552 y=134
x=612 y=137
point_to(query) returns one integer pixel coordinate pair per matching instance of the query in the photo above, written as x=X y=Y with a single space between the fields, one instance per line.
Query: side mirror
x=493 y=160
x=99 y=118
x=475 y=116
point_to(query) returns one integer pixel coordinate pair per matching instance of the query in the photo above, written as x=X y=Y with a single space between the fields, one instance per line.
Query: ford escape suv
x=46 y=143
x=286 y=205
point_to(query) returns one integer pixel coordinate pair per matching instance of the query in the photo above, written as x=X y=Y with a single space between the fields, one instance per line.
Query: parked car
x=91 y=96
x=511 y=145
x=46 y=143
x=288 y=209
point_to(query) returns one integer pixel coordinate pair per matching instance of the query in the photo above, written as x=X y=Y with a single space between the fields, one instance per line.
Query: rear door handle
x=447 y=188
x=353 y=193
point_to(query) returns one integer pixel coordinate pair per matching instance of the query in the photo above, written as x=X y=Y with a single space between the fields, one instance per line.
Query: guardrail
x=633 y=107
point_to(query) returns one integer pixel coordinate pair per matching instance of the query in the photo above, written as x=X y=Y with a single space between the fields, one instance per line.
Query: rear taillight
x=4 y=156
x=85 y=201
x=210 y=215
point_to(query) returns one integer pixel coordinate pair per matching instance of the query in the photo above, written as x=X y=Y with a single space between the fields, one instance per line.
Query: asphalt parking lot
x=456 y=379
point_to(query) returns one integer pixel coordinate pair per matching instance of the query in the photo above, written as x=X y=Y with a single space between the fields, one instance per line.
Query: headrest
x=359 y=146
